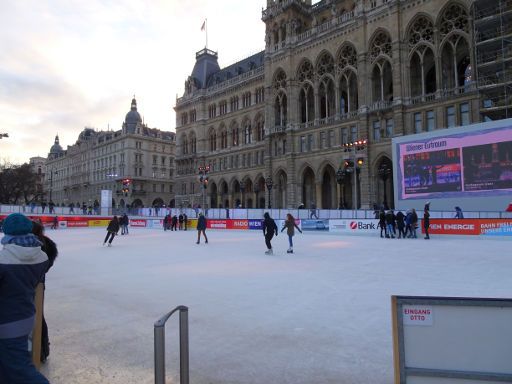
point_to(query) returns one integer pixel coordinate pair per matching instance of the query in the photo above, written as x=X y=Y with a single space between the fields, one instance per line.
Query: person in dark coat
x=167 y=218
x=426 y=220
x=22 y=267
x=124 y=224
x=185 y=221
x=382 y=223
x=390 y=224
x=400 y=224
x=414 y=223
x=201 y=228
x=174 y=223
x=458 y=213
x=50 y=248
x=180 y=221
x=269 y=229
x=112 y=229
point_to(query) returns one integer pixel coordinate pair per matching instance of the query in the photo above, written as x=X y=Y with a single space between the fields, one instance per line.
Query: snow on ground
x=320 y=315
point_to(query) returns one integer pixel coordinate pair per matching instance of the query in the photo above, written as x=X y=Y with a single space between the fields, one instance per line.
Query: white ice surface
x=321 y=315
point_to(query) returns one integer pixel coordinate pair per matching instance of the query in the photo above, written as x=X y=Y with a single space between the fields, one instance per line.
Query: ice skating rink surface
x=321 y=315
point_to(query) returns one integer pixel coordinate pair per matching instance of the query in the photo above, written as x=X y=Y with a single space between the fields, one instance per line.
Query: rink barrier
x=159 y=341
x=368 y=227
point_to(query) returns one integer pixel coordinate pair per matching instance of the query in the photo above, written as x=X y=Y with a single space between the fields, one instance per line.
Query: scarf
x=28 y=240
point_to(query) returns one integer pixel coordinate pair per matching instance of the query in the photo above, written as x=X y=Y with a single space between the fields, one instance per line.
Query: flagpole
x=206 y=26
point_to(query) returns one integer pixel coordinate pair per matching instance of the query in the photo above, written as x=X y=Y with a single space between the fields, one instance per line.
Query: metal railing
x=159 y=330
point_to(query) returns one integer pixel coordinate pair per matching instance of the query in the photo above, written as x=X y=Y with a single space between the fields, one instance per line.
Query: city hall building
x=309 y=120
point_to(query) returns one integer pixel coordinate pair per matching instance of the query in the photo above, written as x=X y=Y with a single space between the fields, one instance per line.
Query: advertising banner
x=475 y=227
x=238 y=224
x=255 y=224
x=78 y=224
x=354 y=226
x=98 y=223
x=158 y=224
x=63 y=224
x=137 y=223
x=192 y=223
x=315 y=225
x=217 y=224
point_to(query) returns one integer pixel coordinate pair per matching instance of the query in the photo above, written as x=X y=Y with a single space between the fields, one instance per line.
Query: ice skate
x=269 y=252
x=109 y=245
x=290 y=250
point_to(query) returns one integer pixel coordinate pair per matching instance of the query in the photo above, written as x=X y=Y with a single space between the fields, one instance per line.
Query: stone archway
x=137 y=203
x=308 y=188
x=158 y=202
x=328 y=188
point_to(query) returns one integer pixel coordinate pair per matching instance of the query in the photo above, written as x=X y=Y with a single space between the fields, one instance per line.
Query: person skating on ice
x=269 y=229
x=290 y=226
x=426 y=219
x=112 y=229
x=201 y=228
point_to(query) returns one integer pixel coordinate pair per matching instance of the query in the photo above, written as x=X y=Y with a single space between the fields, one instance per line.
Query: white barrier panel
x=355 y=226
x=441 y=340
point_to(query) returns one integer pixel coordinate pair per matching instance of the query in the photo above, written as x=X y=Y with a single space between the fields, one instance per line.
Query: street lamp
x=353 y=164
x=384 y=171
x=269 y=183
x=340 y=178
x=242 y=189
x=51 y=183
x=203 y=180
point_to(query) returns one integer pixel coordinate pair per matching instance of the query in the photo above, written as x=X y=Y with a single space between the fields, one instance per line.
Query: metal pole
x=160 y=353
x=184 y=354
x=355 y=182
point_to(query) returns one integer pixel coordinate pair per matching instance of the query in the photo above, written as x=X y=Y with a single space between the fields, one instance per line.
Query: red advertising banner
x=137 y=223
x=238 y=224
x=475 y=227
x=78 y=223
x=217 y=224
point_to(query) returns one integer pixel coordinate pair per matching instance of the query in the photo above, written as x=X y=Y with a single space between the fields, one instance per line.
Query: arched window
x=247 y=131
x=235 y=135
x=422 y=63
x=213 y=140
x=280 y=110
x=305 y=75
x=382 y=75
x=260 y=128
x=346 y=67
x=223 y=137
x=184 y=144
x=193 y=143
x=326 y=94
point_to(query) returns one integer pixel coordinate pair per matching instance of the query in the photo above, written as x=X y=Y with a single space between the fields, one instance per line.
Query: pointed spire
x=134 y=104
x=57 y=139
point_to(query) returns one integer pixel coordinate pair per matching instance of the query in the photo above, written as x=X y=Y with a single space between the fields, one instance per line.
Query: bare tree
x=18 y=184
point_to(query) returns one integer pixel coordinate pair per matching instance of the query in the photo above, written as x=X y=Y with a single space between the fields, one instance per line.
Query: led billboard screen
x=469 y=163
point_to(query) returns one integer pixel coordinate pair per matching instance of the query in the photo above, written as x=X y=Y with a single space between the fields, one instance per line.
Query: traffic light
x=126 y=186
x=360 y=162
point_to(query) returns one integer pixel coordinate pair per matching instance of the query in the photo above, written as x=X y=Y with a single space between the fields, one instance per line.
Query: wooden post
x=396 y=344
x=38 y=326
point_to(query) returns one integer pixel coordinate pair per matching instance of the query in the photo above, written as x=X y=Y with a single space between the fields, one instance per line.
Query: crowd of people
x=402 y=225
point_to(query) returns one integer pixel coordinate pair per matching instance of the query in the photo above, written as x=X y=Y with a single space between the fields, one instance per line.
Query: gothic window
x=260 y=128
x=247 y=131
x=348 y=92
x=279 y=80
x=305 y=71
x=455 y=18
x=235 y=135
x=381 y=45
x=382 y=81
x=213 y=140
x=326 y=94
x=454 y=61
x=346 y=58
x=193 y=143
x=184 y=145
x=280 y=110
x=422 y=63
x=325 y=65
x=223 y=137
x=307 y=103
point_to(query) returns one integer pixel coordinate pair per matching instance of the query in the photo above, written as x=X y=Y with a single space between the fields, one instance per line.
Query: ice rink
x=321 y=315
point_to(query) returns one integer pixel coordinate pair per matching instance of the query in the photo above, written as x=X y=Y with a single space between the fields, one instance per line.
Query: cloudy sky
x=67 y=64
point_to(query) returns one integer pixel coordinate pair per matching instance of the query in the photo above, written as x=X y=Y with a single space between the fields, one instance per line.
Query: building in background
x=136 y=163
x=275 y=129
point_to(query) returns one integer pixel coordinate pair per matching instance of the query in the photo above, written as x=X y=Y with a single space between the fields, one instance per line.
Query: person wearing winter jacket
x=269 y=229
x=414 y=223
x=50 y=248
x=400 y=224
x=382 y=223
x=112 y=230
x=22 y=267
x=426 y=220
x=201 y=228
x=390 y=224
x=290 y=226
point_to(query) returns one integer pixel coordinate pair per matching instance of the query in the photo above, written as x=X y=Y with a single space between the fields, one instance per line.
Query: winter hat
x=17 y=224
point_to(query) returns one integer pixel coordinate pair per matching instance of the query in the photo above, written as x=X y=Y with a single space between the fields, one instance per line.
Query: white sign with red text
x=418 y=315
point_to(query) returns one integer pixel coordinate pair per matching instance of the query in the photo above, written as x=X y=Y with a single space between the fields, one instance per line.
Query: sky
x=70 y=64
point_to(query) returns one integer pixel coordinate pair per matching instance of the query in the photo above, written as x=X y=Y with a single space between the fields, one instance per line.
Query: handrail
x=159 y=341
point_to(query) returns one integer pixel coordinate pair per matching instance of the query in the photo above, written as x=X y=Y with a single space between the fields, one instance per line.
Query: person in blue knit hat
x=22 y=267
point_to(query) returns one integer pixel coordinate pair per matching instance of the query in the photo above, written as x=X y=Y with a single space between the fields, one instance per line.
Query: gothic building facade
x=275 y=129
x=136 y=163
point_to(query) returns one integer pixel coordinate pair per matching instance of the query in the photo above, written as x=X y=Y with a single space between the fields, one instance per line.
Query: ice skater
x=426 y=220
x=201 y=228
x=290 y=226
x=112 y=229
x=269 y=229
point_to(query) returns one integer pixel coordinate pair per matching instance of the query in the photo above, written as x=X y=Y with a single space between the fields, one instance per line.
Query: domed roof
x=86 y=134
x=56 y=148
x=132 y=118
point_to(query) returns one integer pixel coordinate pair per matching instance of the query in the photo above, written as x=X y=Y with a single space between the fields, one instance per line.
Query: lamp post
x=269 y=183
x=203 y=180
x=51 y=183
x=384 y=171
x=340 y=178
x=353 y=164
x=242 y=189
